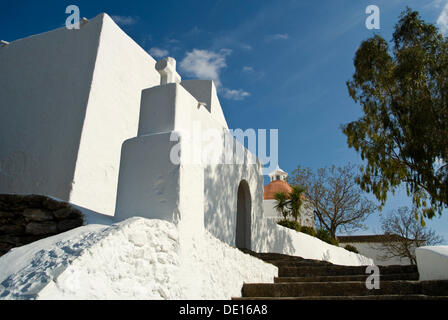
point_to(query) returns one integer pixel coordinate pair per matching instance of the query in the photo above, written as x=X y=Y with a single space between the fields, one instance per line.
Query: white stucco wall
x=45 y=84
x=122 y=70
x=272 y=237
x=375 y=251
x=72 y=97
x=432 y=262
x=148 y=178
x=205 y=91
x=151 y=186
x=220 y=212
x=269 y=210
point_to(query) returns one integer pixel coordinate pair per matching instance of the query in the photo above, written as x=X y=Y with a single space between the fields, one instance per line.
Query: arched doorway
x=243 y=216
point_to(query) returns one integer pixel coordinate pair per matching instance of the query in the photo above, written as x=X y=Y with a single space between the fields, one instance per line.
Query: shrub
x=324 y=235
x=351 y=248
x=290 y=224
x=308 y=230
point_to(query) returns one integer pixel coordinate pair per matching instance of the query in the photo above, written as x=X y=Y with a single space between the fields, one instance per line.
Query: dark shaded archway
x=243 y=216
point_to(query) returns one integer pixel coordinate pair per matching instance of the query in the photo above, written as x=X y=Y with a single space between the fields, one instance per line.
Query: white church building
x=91 y=118
x=278 y=184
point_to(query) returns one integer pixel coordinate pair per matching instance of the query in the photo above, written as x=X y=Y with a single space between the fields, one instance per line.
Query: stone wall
x=28 y=218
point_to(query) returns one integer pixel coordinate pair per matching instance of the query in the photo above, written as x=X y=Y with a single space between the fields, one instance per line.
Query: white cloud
x=248 y=69
x=442 y=21
x=278 y=36
x=124 y=20
x=205 y=64
x=232 y=94
x=157 y=52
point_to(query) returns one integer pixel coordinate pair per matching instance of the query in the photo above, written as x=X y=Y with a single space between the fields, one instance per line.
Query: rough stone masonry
x=28 y=218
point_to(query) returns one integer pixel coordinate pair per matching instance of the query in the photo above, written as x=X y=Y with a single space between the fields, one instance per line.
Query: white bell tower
x=278 y=174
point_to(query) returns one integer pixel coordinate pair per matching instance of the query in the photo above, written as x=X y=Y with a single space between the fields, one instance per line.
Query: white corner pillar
x=152 y=186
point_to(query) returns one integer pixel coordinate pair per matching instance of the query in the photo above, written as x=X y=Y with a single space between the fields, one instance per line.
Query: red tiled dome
x=276 y=186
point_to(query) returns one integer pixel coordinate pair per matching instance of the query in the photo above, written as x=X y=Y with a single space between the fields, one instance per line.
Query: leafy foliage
x=295 y=201
x=351 y=248
x=403 y=91
x=337 y=199
x=325 y=235
x=308 y=230
x=294 y=225
x=289 y=204
x=281 y=204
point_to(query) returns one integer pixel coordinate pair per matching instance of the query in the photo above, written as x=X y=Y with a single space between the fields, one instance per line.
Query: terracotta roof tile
x=276 y=186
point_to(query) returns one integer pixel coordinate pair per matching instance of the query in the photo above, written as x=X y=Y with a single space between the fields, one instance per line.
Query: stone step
x=270 y=257
x=378 y=297
x=303 y=263
x=347 y=288
x=385 y=277
x=336 y=270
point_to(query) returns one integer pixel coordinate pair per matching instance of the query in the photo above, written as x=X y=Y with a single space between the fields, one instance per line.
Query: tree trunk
x=333 y=232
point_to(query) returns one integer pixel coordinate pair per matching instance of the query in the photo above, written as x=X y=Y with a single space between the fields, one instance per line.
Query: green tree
x=281 y=204
x=402 y=135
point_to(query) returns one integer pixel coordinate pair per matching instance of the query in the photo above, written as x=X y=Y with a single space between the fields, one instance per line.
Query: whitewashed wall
x=148 y=178
x=271 y=237
x=71 y=98
x=151 y=186
x=122 y=70
x=432 y=262
x=375 y=251
x=45 y=85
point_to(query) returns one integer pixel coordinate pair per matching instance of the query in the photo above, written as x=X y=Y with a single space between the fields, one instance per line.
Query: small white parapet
x=432 y=262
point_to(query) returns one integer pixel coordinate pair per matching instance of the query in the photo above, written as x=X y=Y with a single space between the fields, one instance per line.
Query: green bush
x=324 y=235
x=290 y=224
x=351 y=248
x=308 y=230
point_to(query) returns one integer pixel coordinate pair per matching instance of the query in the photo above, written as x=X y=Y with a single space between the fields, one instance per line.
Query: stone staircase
x=305 y=279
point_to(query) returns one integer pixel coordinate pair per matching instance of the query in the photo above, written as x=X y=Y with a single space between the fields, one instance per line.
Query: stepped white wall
x=201 y=192
x=70 y=98
x=122 y=70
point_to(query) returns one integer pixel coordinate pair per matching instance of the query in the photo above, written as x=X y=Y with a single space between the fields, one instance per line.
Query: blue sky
x=279 y=64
